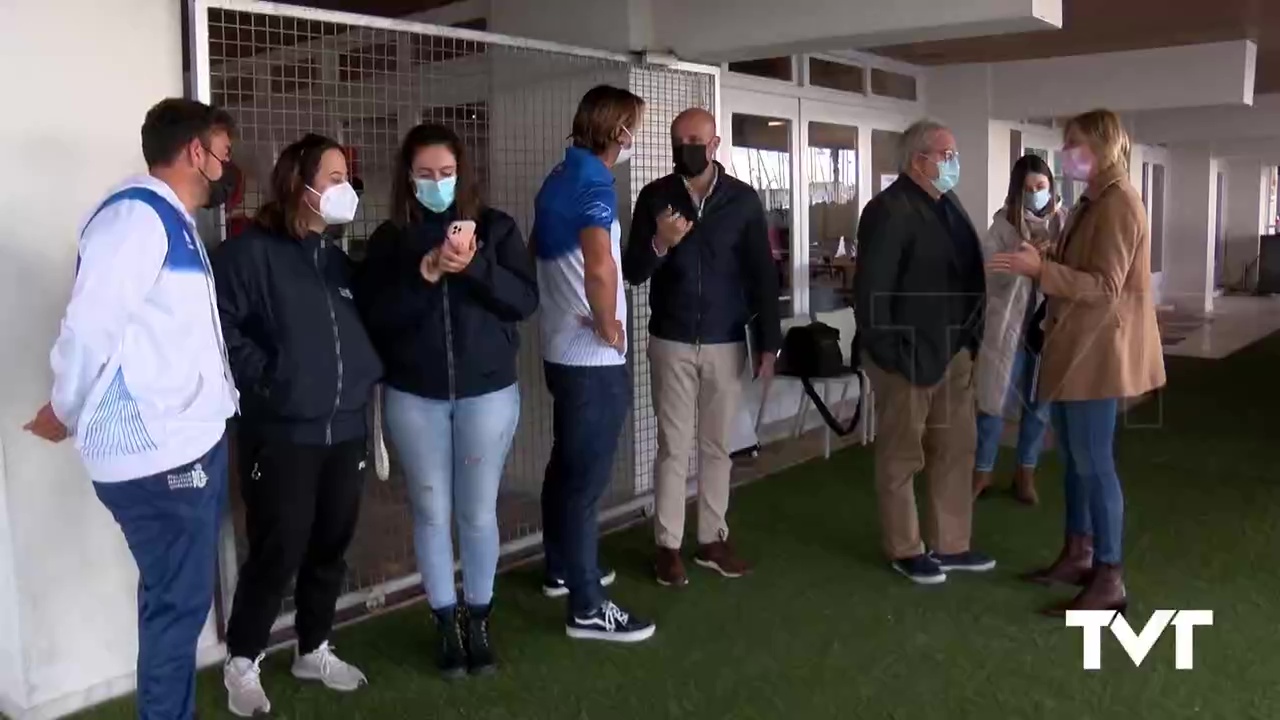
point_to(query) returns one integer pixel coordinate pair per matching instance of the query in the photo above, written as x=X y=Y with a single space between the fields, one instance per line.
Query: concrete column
x=1189 y=240
x=1246 y=205
x=960 y=97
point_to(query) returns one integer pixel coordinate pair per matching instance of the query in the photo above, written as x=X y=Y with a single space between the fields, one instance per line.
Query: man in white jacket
x=141 y=383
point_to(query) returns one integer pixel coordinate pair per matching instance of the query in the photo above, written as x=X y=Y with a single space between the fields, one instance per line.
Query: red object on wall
x=353 y=160
x=353 y=167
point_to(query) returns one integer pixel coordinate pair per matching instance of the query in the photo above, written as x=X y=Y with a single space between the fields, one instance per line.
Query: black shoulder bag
x=813 y=351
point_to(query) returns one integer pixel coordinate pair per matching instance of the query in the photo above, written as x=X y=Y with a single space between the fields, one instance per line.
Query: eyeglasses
x=947 y=155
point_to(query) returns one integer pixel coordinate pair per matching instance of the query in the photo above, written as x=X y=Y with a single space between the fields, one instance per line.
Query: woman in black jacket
x=441 y=291
x=305 y=370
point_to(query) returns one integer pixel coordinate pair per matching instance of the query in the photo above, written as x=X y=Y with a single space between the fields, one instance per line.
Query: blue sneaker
x=609 y=623
x=921 y=569
x=968 y=561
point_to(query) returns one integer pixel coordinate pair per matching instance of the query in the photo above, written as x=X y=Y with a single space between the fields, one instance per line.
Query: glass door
x=760 y=134
x=850 y=155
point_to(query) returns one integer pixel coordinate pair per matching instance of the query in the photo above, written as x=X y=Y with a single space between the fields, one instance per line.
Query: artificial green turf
x=824 y=630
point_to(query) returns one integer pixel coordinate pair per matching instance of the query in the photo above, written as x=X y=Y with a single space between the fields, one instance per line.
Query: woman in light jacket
x=1010 y=353
x=1102 y=345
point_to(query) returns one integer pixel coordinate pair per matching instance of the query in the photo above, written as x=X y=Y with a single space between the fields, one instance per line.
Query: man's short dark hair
x=603 y=111
x=172 y=123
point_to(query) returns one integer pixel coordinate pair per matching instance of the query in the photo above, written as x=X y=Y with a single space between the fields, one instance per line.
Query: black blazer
x=919 y=283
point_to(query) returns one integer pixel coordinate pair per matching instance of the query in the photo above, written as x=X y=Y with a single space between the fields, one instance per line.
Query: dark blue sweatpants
x=170 y=521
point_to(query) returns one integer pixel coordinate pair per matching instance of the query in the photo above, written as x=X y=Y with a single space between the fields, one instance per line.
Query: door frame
x=746 y=102
x=787 y=104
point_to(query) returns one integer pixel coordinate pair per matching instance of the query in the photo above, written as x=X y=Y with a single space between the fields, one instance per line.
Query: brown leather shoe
x=981 y=482
x=1105 y=591
x=668 y=568
x=1024 y=486
x=1074 y=565
x=719 y=556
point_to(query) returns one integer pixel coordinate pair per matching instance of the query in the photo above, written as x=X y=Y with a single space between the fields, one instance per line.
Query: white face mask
x=337 y=204
x=626 y=152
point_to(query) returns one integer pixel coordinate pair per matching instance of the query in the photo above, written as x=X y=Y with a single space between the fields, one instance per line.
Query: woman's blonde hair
x=1106 y=136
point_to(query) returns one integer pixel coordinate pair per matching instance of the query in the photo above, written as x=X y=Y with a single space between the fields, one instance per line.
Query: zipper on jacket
x=697 y=328
x=337 y=348
x=448 y=338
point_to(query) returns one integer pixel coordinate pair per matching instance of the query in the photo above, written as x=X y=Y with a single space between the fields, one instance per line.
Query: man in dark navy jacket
x=920 y=286
x=702 y=237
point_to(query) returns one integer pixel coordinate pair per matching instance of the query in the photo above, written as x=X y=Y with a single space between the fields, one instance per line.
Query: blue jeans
x=453 y=455
x=1035 y=418
x=589 y=408
x=1095 y=503
x=170 y=521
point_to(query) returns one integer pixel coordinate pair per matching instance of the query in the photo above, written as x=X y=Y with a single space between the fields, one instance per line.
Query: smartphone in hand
x=461 y=234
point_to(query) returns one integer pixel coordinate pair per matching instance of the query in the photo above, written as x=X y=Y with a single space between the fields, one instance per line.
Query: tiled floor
x=1237 y=322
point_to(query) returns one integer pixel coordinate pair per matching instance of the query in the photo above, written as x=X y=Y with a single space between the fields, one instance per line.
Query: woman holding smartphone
x=445 y=283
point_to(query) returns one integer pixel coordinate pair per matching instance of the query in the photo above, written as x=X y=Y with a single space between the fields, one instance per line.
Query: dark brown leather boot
x=1105 y=591
x=1024 y=486
x=981 y=482
x=1074 y=565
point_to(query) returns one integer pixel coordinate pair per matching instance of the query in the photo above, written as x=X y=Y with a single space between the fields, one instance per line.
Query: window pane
x=884 y=159
x=833 y=214
x=891 y=84
x=775 y=68
x=761 y=157
x=836 y=76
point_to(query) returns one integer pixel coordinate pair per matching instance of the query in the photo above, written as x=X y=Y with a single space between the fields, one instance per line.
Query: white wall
x=13 y=686
x=84 y=93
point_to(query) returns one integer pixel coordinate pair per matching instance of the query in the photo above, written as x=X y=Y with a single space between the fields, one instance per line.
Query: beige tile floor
x=1237 y=322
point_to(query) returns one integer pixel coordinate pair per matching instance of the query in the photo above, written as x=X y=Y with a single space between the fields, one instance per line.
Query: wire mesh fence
x=283 y=72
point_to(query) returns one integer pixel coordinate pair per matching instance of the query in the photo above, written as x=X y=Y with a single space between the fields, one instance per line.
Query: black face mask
x=220 y=190
x=691 y=159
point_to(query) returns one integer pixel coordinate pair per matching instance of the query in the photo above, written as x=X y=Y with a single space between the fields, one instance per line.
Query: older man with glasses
x=920 y=287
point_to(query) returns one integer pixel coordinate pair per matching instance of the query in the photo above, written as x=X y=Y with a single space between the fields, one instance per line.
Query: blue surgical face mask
x=435 y=195
x=1036 y=200
x=948 y=175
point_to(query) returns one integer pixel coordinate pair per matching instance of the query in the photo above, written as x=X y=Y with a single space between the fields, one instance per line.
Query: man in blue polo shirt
x=576 y=238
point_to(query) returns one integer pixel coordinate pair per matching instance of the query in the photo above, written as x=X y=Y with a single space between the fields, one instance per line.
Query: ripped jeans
x=453 y=454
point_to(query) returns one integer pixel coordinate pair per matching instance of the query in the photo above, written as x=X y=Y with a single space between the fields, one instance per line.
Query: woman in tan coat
x=1102 y=345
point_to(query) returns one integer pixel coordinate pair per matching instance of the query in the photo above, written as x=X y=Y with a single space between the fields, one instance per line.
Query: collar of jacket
x=1104 y=180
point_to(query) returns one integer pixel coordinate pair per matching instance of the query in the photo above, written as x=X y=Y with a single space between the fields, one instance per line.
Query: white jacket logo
x=193 y=479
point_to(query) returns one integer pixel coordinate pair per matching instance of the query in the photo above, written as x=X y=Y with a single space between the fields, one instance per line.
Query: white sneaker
x=323 y=665
x=243 y=680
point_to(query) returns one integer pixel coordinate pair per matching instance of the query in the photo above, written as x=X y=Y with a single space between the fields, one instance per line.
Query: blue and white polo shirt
x=578 y=194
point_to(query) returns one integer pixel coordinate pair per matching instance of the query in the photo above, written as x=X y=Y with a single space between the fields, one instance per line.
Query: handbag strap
x=828 y=417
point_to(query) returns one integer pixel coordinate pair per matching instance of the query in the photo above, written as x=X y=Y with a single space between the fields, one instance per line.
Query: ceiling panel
x=382 y=8
x=1098 y=26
